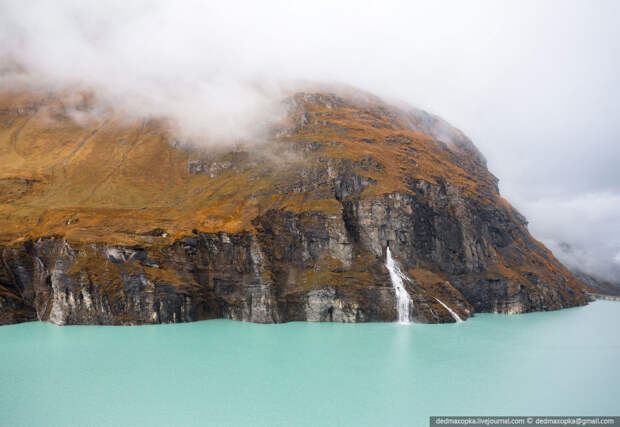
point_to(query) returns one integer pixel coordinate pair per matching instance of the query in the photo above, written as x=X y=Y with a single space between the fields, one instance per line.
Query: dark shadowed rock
x=293 y=229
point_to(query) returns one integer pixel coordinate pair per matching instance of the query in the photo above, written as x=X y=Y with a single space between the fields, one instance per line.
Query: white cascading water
x=454 y=315
x=403 y=300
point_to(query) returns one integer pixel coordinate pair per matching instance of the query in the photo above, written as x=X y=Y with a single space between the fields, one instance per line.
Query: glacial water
x=403 y=300
x=229 y=373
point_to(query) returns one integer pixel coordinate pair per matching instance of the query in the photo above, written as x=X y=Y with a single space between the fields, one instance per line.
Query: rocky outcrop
x=299 y=238
x=294 y=267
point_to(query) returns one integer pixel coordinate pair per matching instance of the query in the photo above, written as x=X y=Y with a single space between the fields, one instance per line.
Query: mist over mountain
x=599 y=273
x=350 y=210
x=532 y=83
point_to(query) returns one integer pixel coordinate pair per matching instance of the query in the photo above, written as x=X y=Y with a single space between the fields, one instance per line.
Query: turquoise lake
x=221 y=372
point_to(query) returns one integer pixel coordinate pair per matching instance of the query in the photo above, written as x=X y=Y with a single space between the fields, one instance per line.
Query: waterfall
x=403 y=300
x=454 y=315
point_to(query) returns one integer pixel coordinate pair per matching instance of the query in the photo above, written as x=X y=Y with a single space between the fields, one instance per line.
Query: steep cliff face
x=111 y=222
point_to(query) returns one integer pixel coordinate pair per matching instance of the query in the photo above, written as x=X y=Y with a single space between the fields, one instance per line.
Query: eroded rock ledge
x=297 y=267
x=117 y=222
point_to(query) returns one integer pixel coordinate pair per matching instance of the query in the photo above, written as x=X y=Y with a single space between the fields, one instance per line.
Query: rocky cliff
x=109 y=220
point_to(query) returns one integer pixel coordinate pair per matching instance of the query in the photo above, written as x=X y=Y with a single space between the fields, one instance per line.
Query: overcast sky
x=533 y=83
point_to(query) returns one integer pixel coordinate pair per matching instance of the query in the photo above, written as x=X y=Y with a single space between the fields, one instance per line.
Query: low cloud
x=582 y=231
x=534 y=84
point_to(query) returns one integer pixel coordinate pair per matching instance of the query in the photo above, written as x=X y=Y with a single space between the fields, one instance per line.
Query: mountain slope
x=600 y=286
x=108 y=220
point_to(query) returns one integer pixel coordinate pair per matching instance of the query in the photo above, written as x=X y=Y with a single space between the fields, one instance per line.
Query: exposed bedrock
x=299 y=267
x=118 y=222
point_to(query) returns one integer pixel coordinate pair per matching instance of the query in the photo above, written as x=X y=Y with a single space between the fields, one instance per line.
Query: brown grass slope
x=113 y=180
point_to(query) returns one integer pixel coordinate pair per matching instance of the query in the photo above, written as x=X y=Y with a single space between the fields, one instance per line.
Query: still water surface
x=222 y=372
